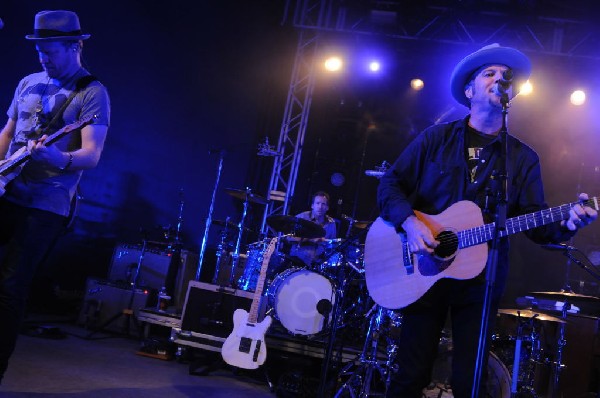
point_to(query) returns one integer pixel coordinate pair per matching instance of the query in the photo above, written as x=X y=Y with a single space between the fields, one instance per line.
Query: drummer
x=318 y=214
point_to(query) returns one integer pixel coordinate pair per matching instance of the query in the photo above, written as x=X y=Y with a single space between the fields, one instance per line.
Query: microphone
x=324 y=307
x=347 y=218
x=374 y=173
x=502 y=85
x=563 y=247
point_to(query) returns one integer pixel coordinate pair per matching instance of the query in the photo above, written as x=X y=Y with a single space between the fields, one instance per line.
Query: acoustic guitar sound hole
x=448 y=244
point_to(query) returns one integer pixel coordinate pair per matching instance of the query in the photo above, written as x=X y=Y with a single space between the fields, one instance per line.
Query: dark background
x=188 y=78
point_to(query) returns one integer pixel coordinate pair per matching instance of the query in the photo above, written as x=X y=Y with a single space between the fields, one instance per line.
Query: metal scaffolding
x=571 y=34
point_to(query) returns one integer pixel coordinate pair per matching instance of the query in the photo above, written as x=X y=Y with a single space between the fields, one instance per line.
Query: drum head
x=297 y=296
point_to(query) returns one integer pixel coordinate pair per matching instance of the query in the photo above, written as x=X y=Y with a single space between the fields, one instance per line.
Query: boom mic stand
x=499 y=227
x=335 y=310
x=128 y=312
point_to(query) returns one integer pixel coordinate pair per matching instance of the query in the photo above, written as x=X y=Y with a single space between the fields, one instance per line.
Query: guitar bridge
x=407 y=257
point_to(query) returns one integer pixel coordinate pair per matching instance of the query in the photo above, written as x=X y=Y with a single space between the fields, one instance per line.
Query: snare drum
x=295 y=295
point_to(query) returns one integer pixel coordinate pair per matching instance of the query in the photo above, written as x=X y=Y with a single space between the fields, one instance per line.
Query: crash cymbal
x=565 y=296
x=242 y=194
x=530 y=314
x=294 y=225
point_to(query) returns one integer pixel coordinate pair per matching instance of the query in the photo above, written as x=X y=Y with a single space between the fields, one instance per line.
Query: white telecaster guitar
x=245 y=347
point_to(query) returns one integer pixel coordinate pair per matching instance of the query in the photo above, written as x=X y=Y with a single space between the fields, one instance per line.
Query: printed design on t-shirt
x=473 y=160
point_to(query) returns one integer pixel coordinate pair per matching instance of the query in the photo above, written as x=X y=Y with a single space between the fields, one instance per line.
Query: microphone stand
x=492 y=265
x=209 y=218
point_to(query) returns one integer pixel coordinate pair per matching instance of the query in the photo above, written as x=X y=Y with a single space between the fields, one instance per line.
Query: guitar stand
x=208 y=364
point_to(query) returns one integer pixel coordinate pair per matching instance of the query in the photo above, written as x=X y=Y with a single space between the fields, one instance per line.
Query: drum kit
x=306 y=274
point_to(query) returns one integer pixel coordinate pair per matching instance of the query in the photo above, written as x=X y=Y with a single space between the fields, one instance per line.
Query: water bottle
x=163 y=300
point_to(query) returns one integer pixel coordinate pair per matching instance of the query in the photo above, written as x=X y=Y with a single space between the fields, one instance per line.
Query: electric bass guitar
x=245 y=347
x=396 y=277
x=11 y=167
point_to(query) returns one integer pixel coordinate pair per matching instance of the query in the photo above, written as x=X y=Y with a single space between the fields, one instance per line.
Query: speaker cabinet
x=104 y=300
x=159 y=267
x=154 y=265
x=209 y=308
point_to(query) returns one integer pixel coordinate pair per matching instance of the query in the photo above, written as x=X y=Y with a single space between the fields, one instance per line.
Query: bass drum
x=498 y=384
x=300 y=298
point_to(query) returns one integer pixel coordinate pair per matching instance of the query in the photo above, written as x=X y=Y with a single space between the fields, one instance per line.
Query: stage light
x=337 y=179
x=417 y=84
x=578 y=97
x=526 y=88
x=374 y=66
x=333 y=64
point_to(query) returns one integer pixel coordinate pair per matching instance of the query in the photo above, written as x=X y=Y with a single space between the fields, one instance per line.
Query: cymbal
x=530 y=314
x=294 y=225
x=564 y=296
x=374 y=173
x=228 y=224
x=361 y=224
x=242 y=194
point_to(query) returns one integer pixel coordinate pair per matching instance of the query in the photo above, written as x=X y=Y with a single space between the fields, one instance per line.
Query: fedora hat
x=57 y=25
x=493 y=54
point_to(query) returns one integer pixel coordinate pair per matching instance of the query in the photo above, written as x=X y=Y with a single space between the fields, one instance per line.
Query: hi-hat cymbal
x=530 y=314
x=294 y=225
x=565 y=296
x=246 y=196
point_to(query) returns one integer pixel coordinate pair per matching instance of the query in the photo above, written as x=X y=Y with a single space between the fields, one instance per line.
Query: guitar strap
x=81 y=83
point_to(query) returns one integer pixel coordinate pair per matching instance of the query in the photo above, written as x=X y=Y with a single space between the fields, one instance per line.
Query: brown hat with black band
x=488 y=55
x=57 y=25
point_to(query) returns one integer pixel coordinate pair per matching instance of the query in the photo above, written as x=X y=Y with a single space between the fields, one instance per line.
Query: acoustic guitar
x=396 y=277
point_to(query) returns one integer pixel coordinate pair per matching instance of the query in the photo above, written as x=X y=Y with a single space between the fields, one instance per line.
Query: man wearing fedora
x=36 y=199
x=448 y=163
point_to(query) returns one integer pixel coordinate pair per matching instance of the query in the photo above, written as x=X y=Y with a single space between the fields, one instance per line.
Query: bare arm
x=6 y=135
x=87 y=157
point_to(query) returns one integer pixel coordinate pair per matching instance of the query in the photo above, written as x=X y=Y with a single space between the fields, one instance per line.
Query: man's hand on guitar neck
x=419 y=237
x=579 y=215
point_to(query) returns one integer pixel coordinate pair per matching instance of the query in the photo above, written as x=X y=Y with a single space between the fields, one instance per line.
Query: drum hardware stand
x=362 y=377
x=221 y=250
x=335 y=309
x=236 y=253
x=126 y=312
x=534 y=358
x=557 y=365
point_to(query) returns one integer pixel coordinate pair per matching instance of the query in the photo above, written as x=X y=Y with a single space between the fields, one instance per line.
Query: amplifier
x=160 y=267
x=153 y=269
x=208 y=309
x=104 y=300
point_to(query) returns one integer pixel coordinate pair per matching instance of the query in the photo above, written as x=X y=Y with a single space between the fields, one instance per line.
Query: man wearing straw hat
x=36 y=198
